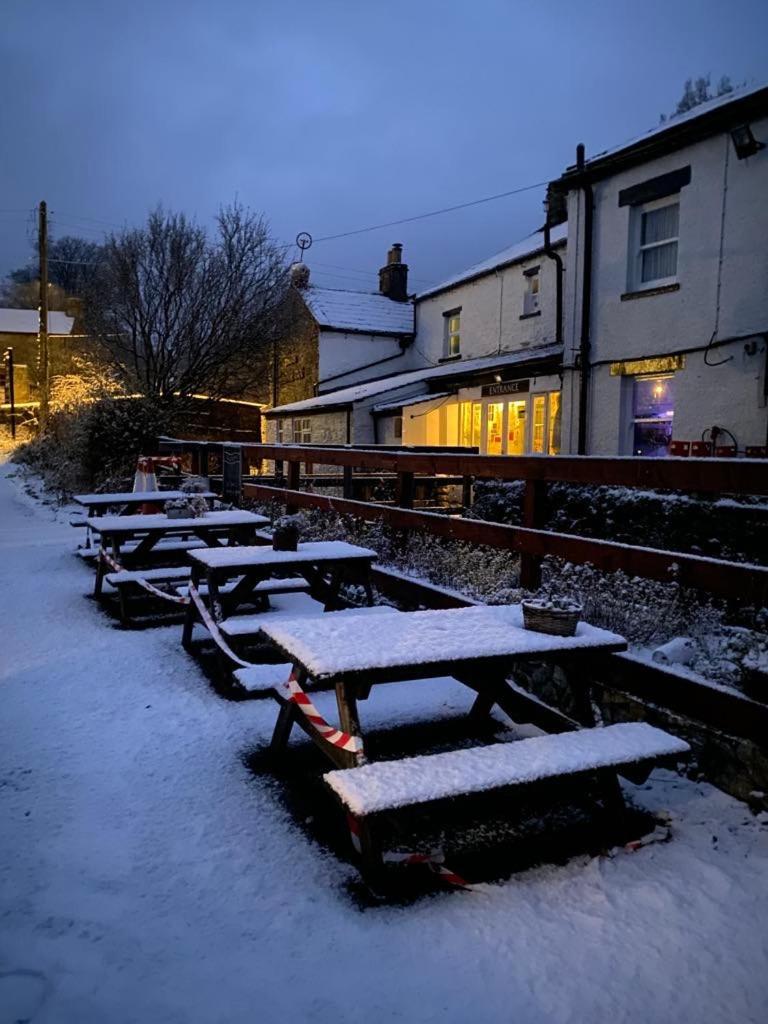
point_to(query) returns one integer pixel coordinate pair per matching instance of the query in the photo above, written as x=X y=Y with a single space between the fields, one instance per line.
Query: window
x=280 y=431
x=655 y=237
x=470 y=425
x=397 y=428
x=531 y=296
x=538 y=424
x=555 y=424
x=452 y=346
x=653 y=409
x=302 y=431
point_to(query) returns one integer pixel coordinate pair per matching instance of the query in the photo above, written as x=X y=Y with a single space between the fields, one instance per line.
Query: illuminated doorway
x=516 y=427
x=495 y=428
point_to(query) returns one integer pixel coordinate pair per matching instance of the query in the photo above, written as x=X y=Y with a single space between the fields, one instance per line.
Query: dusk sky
x=329 y=116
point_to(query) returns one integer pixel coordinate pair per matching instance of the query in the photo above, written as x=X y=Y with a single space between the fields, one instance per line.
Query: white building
x=667 y=285
x=486 y=364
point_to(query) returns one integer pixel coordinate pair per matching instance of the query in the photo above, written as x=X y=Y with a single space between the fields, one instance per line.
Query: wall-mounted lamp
x=744 y=142
x=497 y=378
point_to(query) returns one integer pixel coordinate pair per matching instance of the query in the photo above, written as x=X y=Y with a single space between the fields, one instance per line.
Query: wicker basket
x=555 y=621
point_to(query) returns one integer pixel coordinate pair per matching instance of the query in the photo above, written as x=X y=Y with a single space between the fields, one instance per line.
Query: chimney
x=300 y=275
x=393 y=278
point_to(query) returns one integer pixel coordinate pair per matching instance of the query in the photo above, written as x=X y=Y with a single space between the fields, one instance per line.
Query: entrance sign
x=507 y=387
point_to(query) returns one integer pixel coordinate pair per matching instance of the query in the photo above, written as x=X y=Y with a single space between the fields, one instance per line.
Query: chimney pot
x=393 y=277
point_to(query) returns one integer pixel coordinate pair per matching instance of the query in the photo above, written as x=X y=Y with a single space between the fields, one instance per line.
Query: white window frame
x=635 y=282
x=449 y=334
x=531 y=298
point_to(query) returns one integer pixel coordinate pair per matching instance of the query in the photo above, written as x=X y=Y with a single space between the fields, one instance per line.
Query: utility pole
x=8 y=356
x=43 y=360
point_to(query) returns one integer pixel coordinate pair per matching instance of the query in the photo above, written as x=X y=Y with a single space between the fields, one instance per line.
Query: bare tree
x=184 y=314
x=72 y=263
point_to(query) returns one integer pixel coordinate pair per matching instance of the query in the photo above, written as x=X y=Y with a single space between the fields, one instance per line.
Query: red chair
x=680 y=448
x=701 y=449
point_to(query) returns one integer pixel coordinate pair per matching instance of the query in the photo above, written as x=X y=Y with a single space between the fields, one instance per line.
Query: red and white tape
x=434 y=861
x=343 y=740
x=212 y=627
x=116 y=567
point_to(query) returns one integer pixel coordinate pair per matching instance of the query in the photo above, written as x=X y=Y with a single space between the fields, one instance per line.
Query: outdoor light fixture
x=744 y=142
x=497 y=378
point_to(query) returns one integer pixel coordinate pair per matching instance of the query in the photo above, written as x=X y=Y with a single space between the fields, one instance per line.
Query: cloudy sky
x=331 y=115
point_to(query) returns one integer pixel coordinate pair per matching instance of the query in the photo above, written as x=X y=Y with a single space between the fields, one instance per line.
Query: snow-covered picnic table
x=478 y=646
x=214 y=528
x=481 y=647
x=99 y=504
x=251 y=566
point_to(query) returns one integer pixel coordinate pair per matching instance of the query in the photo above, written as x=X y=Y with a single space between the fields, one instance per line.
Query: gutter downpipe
x=586 y=305
x=550 y=252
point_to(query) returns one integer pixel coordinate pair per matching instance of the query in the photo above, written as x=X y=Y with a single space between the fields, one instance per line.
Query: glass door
x=516 y=427
x=495 y=427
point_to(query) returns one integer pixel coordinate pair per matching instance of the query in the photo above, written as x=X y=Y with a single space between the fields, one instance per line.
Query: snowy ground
x=147 y=876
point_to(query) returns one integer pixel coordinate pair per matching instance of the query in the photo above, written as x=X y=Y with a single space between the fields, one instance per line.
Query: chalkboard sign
x=232 y=473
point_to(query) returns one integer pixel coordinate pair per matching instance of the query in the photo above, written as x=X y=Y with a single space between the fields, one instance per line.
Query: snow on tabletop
x=131 y=497
x=329 y=648
x=160 y=521
x=416 y=780
x=313 y=551
x=148 y=875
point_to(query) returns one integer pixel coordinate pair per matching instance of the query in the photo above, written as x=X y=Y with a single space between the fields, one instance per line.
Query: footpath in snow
x=147 y=876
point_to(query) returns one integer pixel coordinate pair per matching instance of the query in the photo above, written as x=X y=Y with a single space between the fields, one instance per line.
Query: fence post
x=534 y=495
x=404 y=490
x=293 y=481
x=466 y=492
x=346 y=487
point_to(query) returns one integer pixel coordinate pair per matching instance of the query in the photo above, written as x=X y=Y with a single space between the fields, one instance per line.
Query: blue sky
x=330 y=115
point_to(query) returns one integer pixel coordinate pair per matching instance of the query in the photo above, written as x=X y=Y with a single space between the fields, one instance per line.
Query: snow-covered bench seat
x=262 y=678
x=388 y=785
x=162 y=546
x=250 y=625
x=129 y=576
x=270 y=586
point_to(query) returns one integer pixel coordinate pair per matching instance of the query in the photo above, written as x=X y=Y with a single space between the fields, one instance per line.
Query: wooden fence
x=743 y=581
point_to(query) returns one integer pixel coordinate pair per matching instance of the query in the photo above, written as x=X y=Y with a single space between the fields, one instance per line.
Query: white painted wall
x=340 y=352
x=653 y=325
x=491 y=310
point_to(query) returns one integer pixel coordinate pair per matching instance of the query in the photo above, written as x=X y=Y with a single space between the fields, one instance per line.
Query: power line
x=433 y=213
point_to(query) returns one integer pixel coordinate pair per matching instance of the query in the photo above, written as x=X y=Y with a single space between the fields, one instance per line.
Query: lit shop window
x=495 y=436
x=538 y=423
x=470 y=424
x=554 y=424
x=516 y=427
x=653 y=409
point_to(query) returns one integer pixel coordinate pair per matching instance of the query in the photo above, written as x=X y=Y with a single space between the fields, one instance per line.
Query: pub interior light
x=744 y=142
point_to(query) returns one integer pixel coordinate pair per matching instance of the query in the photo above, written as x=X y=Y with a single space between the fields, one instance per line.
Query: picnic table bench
x=255 y=569
x=480 y=647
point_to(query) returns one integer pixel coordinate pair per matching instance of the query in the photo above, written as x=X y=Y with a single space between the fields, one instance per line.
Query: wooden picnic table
x=234 y=526
x=251 y=566
x=480 y=647
x=100 y=504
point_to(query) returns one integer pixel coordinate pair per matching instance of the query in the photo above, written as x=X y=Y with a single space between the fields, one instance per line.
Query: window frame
x=635 y=281
x=448 y=334
x=531 y=298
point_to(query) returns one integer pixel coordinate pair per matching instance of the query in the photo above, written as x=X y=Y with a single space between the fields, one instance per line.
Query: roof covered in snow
x=512 y=254
x=679 y=130
x=25 y=321
x=359 y=312
x=345 y=397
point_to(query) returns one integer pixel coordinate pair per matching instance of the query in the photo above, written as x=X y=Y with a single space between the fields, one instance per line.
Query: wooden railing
x=742 y=581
